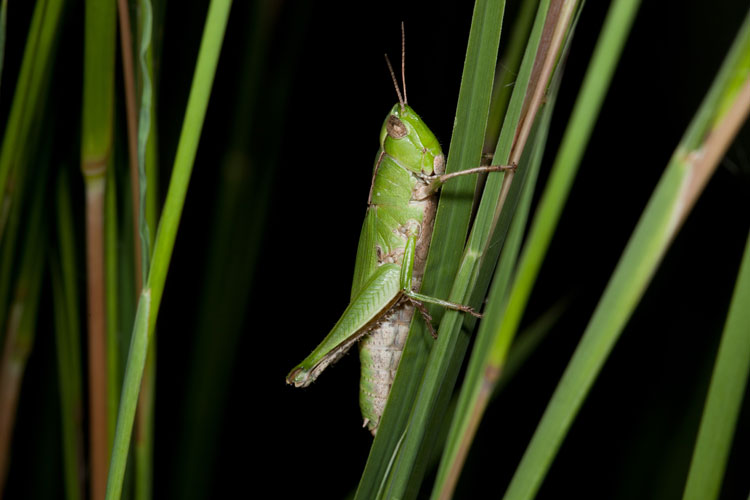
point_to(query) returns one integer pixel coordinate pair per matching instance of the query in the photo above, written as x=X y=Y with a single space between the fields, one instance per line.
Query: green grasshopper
x=409 y=170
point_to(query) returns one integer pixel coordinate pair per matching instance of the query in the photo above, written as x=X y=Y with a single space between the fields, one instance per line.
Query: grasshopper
x=409 y=170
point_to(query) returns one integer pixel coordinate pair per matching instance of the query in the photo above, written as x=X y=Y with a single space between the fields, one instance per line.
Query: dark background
x=324 y=94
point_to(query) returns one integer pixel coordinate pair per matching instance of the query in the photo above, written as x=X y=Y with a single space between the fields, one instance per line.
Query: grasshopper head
x=410 y=142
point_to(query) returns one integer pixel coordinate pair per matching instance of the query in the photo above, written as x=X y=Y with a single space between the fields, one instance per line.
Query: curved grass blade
x=143 y=443
x=693 y=162
x=148 y=306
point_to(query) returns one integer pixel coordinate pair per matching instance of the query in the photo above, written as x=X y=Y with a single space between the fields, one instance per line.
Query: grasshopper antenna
x=395 y=83
x=403 y=62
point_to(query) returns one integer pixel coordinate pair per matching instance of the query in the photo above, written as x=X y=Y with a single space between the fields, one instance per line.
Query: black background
x=634 y=434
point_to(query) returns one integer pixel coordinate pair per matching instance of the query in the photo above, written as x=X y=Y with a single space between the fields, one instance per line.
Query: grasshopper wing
x=376 y=297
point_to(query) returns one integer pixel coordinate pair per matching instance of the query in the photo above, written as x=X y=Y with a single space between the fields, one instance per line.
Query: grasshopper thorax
x=405 y=138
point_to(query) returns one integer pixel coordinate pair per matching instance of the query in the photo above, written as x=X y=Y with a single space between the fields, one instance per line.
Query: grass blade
x=68 y=343
x=673 y=198
x=20 y=326
x=96 y=146
x=452 y=221
x=28 y=100
x=725 y=395
x=466 y=419
x=148 y=305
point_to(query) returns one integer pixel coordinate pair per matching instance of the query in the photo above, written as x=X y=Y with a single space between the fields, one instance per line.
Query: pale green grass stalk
x=145 y=412
x=96 y=155
x=692 y=164
x=150 y=299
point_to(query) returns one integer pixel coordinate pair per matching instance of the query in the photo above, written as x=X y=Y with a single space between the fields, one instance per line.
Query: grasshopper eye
x=395 y=127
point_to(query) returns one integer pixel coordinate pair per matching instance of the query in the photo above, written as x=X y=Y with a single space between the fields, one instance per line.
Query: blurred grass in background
x=262 y=261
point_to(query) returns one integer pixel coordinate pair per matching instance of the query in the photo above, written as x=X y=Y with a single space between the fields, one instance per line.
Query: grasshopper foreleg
x=436 y=181
x=434 y=300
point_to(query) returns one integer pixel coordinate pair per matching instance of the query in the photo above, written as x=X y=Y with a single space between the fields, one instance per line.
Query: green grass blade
x=28 y=100
x=673 y=198
x=150 y=300
x=68 y=342
x=145 y=413
x=239 y=225
x=144 y=129
x=458 y=441
x=508 y=70
x=97 y=131
x=21 y=324
x=725 y=394
x=70 y=449
x=452 y=222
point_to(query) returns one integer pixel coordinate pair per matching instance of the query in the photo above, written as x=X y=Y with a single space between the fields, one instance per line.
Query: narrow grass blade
x=20 y=326
x=145 y=411
x=68 y=342
x=148 y=306
x=689 y=169
x=239 y=222
x=31 y=91
x=508 y=69
x=725 y=394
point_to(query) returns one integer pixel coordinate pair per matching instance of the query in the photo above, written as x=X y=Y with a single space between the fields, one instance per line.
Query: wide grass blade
x=689 y=169
x=151 y=295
